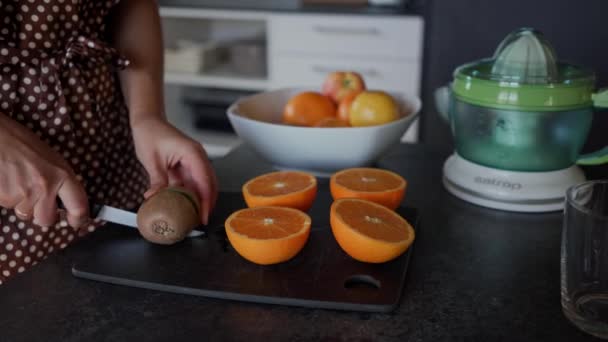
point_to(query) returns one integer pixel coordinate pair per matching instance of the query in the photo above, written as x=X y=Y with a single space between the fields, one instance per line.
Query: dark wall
x=459 y=31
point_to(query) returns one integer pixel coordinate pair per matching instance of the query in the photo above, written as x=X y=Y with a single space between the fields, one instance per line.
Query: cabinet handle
x=369 y=31
x=369 y=73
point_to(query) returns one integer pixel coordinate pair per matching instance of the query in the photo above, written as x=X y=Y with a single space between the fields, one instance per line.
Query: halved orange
x=293 y=189
x=369 y=232
x=268 y=235
x=376 y=185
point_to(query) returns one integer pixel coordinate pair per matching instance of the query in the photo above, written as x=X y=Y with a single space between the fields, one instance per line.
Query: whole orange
x=344 y=107
x=308 y=108
x=373 y=108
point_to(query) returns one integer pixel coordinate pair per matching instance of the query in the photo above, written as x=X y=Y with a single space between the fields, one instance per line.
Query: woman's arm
x=135 y=31
x=169 y=157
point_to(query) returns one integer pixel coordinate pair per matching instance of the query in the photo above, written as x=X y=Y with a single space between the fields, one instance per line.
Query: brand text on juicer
x=498 y=183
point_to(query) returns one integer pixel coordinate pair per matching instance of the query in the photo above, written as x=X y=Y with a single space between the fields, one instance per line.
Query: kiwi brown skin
x=168 y=216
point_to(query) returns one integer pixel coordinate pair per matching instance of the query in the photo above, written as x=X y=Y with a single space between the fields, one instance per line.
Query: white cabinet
x=310 y=71
x=347 y=35
x=220 y=29
x=302 y=48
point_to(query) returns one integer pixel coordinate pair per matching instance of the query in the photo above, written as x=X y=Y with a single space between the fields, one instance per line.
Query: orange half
x=293 y=189
x=376 y=185
x=369 y=232
x=268 y=235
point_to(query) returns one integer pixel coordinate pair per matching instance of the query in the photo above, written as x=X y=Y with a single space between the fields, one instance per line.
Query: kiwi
x=168 y=216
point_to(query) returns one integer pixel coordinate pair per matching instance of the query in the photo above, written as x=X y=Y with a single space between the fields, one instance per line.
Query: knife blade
x=124 y=217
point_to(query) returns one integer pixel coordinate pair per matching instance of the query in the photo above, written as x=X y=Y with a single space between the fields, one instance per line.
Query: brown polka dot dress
x=58 y=78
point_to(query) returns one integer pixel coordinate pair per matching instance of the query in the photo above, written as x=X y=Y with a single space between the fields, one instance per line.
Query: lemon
x=373 y=108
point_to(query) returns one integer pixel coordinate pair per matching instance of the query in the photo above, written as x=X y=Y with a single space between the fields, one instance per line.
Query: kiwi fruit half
x=168 y=216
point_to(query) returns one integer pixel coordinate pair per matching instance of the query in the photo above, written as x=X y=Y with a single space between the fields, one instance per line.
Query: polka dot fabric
x=58 y=78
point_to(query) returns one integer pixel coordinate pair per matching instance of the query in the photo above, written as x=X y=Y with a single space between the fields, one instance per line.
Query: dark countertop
x=476 y=275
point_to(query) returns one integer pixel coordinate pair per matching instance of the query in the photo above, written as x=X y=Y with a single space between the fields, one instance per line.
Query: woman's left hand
x=173 y=159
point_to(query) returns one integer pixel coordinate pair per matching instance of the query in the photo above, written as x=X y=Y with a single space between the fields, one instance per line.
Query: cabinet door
x=290 y=71
x=396 y=36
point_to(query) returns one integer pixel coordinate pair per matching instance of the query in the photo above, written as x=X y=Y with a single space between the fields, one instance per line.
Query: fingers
x=33 y=175
x=75 y=201
x=33 y=197
x=45 y=210
x=202 y=179
x=158 y=178
x=25 y=208
x=175 y=178
x=24 y=215
x=214 y=186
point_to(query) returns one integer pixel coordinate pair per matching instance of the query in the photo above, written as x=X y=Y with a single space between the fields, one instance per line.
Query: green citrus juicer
x=519 y=120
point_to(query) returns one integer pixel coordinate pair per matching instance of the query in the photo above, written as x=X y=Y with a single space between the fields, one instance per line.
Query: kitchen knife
x=124 y=217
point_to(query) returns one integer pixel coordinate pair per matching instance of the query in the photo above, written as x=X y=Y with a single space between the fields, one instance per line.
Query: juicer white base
x=509 y=190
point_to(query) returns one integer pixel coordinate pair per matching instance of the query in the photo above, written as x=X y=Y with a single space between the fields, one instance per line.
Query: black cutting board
x=320 y=276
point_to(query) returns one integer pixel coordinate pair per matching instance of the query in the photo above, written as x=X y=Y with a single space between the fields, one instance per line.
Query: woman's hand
x=33 y=175
x=171 y=158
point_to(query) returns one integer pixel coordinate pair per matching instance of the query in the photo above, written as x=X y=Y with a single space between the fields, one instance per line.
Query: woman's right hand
x=33 y=175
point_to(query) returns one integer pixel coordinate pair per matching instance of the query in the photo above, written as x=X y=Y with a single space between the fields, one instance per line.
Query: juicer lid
x=524 y=74
x=525 y=56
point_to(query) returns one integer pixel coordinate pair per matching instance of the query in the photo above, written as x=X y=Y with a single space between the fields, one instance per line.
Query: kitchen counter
x=476 y=274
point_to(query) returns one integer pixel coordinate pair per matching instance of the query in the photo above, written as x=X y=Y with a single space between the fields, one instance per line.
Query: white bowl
x=257 y=120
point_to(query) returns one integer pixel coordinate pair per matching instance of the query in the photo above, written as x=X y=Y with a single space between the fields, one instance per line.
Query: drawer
x=396 y=36
x=388 y=75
